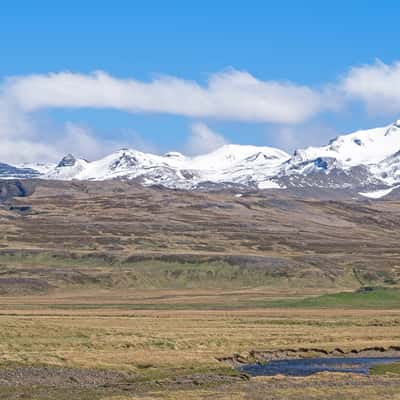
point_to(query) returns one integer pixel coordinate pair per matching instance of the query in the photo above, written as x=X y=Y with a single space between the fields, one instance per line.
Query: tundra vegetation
x=111 y=291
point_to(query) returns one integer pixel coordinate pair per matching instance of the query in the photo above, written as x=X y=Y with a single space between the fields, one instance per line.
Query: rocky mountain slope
x=272 y=235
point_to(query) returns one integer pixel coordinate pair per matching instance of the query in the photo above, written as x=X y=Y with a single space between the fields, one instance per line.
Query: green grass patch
x=383 y=369
x=379 y=297
x=106 y=271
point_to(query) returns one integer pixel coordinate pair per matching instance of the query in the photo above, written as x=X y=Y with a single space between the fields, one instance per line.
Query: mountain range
x=366 y=162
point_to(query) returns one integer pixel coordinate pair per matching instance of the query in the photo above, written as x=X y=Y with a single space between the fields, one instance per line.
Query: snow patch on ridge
x=377 y=194
x=268 y=184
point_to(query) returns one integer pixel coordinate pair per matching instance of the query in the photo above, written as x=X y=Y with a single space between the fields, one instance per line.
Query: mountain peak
x=67 y=161
x=126 y=159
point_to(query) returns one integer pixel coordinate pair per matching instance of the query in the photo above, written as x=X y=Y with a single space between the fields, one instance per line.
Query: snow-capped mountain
x=230 y=163
x=366 y=161
x=362 y=147
x=39 y=167
x=69 y=167
x=388 y=170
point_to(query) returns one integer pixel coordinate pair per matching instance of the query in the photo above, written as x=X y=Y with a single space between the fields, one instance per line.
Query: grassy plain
x=167 y=351
x=114 y=292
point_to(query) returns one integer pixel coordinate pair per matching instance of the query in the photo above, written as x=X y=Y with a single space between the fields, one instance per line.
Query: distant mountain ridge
x=366 y=162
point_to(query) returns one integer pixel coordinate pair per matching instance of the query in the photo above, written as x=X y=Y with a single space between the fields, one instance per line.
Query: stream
x=309 y=366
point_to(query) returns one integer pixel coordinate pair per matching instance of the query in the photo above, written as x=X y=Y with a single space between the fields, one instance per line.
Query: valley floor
x=109 y=291
x=143 y=345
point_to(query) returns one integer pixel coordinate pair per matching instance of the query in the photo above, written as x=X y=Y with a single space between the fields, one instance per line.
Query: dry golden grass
x=156 y=344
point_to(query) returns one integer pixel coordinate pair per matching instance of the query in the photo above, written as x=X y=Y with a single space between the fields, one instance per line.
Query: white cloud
x=137 y=141
x=70 y=138
x=17 y=151
x=291 y=137
x=19 y=136
x=25 y=139
x=83 y=143
x=13 y=121
x=231 y=95
x=377 y=85
x=203 y=140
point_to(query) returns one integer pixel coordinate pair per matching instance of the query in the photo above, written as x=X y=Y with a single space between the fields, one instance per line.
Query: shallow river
x=309 y=366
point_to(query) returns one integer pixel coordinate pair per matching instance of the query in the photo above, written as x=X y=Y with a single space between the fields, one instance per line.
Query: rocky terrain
x=266 y=234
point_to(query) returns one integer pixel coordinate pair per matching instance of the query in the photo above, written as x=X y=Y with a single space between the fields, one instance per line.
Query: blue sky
x=310 y=44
